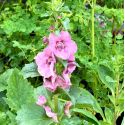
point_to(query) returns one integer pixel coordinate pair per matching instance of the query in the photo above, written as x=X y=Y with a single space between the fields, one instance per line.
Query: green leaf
x=3 y=118
x=107 y=77
x=71 y=121
x=4 y=79
x=32 y=115
x=21 y=46
x=108 y=115
x=30 y=70
x=66 y=24
x=119 y=36
x=19 y=91
x=120 y=102
x=122 y=121
x=89 y=115
x=41 y=90
x=81 y=96
x=3 y=105
x=104 y=123
x=11 y=118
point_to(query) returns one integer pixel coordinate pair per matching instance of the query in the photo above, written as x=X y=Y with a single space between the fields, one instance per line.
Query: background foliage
x=97 y=91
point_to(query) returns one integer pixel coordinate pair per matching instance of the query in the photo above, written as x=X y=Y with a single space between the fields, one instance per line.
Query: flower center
x=49 y=60
x=60 y=45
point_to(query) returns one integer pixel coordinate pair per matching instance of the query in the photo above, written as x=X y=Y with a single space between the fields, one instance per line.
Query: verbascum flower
x=63 y=83
x=50 y=83
x=45 y=61
x=62 y=45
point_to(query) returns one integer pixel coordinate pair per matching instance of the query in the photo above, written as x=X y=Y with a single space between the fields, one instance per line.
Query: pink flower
x=50 y=114
x=53 y=82
x=50 y=83
x=45 y=40
x=41 y=100
x=45 y=61
x=71 y=58
x=67 y=107
x=62 y=45
x=70 y=68
x=63 y=83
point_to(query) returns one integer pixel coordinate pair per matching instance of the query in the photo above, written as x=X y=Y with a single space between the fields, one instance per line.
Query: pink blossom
x=67 y=108
x=70 y=68
x=63 y=83
x=50 y=114
x=62 y=45
x=53 y=82
x=50 y=83
x=41 y=100
x=71 y=58
x=45 y=40
x=45 y=61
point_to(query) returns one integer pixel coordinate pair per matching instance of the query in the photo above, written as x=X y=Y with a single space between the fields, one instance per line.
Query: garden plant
x=61 y=62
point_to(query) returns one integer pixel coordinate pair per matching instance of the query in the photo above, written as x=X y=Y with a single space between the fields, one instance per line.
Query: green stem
x=20 y=1
x=55 y=97
x=117 y=89
x=93 y=30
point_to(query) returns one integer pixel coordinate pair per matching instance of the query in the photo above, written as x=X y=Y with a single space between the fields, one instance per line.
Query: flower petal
x=63 y=83
x=46 y=70
x=67 y=107
x=50 y=114
x=50 y=83
x=41 y=100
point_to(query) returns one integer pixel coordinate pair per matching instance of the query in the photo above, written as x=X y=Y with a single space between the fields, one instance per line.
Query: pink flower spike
x=67 y=108
x=45 y=61
x=62 y=45
x=50 y=114
x=41 y=100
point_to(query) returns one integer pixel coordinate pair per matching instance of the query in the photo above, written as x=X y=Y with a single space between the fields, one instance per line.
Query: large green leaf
x=3 y=106
x=12 y=118
x=30 y=70
x=107 y=77
x=3 y=118
x=88 y=115
x=32 y=115
x=4 y=79
x=41 y=90
x=83 y=97
x=19 y=91
x=71 y=121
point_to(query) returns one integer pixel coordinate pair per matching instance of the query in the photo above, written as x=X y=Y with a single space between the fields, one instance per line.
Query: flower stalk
x=93 y=30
